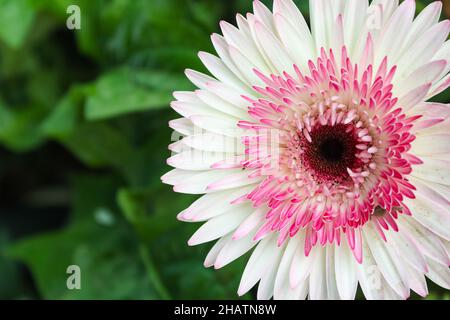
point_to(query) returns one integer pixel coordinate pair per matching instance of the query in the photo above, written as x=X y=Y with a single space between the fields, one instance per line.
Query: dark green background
x=83 y=143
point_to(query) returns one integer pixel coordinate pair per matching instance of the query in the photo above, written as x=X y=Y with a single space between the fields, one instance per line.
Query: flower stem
x=153 y=273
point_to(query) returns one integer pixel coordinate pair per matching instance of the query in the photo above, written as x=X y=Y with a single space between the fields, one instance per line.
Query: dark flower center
x=331 y=152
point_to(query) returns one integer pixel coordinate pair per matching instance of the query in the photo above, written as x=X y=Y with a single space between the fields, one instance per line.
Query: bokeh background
x=83 y=143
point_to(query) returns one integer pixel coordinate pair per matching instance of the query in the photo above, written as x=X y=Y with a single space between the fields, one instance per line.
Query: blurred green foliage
x=83 y=129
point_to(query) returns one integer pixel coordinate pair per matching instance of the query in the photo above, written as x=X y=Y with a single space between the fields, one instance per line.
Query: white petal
x=432 y=110
x=245 y=43
x=439 y=87
x=198 y=78
x=178 y=146
x=434 y=170
x=197 y=184
x=443 y=190
x=257 y=264
x=428 y=73
x=417 y=282
x=267 y=283
x=292 y=14
x=301 y=265
x=439 y=274
x=429 y=243
x=426 y=19
x=197 y=159
x=317 y=278
x=273 y=49
x=338 y=7
x=282 y=289
x=233 y=180
x=427 y=125
x=249 y=224
x=212 y=203
x=379 y=13
x=182 y=125
x=263 y=14
x=389 y=7
x=414 y=97
x=431 y=145
x=446 y=245
x=330 y=274
x=347 y=281
x=176 y=176
x=212 y=254
x=220 y=225
x=243 y=26
x=395 y=31
x=355 y=18
x=245 y=66
x=229 y=94
x=426 y=192
x=220 y=70
x=233 y=250
x=297 y=44
x=434 y=217
x=185 y=96
x=321 y=17
x=219 y=125
x=389 y=293
x=221 y=46
x=222 y=90
x=425 y=47
x=369 y=275
x=290 y=10
x=337 y=36
x=216 y=103
x=189 y=109
x=221 y=207
x=294 y=32
x=444 y=54
x=215 y=143
x=408 y=249
x=385 y=263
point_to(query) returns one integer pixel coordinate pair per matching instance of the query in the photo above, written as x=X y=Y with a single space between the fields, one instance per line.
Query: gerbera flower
x=315 y=147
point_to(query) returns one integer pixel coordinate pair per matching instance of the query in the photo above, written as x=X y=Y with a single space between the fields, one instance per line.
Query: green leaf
x=206 y=14
x=124 y=91
x=173 y=58
x=93 y=196
x=98 y=144
x=67 y=113
x=110 y=265
x=202 y=283
x=6 y=118
x=16 y=18
x=182 y=267
x=10 y=282
x=89 y=35
x=150 y=218
x=20 y=130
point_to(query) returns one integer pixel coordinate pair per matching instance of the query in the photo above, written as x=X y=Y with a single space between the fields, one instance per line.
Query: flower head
x=318 y=148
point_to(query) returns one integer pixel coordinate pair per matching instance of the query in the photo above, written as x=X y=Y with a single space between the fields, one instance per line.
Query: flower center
x=330 y=153
x=332 y=150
